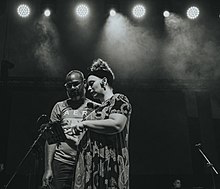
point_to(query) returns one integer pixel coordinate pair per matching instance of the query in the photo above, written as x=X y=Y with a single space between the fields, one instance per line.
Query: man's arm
x=49 y=153
x=48 y=173
x=50 y=149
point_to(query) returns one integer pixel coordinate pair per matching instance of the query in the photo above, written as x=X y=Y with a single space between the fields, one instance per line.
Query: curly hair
x=101 y=69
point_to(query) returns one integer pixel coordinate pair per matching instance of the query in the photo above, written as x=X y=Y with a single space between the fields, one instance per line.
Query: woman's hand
x=79 y=128
x=73 y=131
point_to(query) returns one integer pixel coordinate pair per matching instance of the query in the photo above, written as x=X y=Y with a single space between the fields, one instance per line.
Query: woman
x=103 y=152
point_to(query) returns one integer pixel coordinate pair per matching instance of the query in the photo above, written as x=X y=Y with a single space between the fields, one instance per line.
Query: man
x=177 y=184
x=60 y=159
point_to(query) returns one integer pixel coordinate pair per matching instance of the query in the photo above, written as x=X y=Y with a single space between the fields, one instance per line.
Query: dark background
x=169 y=69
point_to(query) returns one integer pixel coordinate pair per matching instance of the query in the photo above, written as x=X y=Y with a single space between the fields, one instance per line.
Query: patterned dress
x=104 y=159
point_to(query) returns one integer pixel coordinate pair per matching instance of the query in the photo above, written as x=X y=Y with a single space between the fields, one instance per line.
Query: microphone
x=42 y=119
x=198 y=145
x=50 y=124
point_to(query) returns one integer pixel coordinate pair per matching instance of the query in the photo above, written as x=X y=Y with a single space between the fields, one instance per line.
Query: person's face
x=177 y=184
x=94 y=86
x=75 y=86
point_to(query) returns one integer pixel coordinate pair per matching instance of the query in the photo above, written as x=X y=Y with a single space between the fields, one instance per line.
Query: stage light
x=23 y=10
x=47 y=12
x=138 y=11
x=48 y=7
x=82 y=10
x=112 y=12
x=192 y=12
x=113 y=7
x=166 y=14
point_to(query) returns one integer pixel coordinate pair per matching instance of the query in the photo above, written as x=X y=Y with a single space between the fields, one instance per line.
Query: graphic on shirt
x=66 y=151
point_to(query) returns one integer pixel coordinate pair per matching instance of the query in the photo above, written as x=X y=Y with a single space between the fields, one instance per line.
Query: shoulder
x=121 y=101
x=57 y=109
x=92 y=104
x=88 y=100
x=61 y=104
x=121 y=97
x=121 y=104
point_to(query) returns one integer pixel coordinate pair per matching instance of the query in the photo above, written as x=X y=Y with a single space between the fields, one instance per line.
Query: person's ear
x=104 y=81
x=84 y=83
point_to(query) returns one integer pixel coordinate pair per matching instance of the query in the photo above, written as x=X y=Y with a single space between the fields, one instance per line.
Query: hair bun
x=101 y=69
x=100 y=64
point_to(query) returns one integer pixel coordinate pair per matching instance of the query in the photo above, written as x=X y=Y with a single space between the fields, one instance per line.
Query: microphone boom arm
x=207 y=160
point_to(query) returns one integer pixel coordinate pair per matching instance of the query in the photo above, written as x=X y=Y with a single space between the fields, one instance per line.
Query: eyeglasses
x=69 y=85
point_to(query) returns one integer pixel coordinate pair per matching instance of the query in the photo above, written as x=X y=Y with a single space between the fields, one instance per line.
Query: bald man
x=60 y=159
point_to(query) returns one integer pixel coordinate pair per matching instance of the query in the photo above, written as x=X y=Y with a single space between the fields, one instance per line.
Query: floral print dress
x=103 y=161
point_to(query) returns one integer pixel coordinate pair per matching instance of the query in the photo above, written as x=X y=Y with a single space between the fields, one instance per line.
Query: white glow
x=112 y=12
x=192 y=12
x=23 y=10
x=166 y=14
x=82 y=10
x=138 y=11
x=47 y=12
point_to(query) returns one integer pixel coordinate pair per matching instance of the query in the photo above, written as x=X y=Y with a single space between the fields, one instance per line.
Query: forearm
x=49 y=153
x=106 y=126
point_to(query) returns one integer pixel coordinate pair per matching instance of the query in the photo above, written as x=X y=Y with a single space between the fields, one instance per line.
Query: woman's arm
x=114 y=124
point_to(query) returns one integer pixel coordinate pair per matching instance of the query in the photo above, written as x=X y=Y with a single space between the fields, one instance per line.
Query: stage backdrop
x=166 y=124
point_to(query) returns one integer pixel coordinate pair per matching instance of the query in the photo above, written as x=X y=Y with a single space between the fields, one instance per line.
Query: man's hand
x=47 y=178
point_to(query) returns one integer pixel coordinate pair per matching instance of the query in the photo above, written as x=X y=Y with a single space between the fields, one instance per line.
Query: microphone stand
x=42 y=130
x=209 y=164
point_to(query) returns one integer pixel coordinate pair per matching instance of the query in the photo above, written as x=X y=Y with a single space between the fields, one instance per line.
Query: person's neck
x=107 y=95
x=76 y=102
